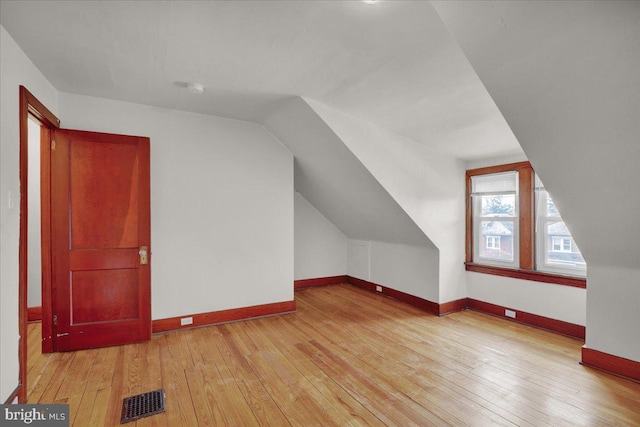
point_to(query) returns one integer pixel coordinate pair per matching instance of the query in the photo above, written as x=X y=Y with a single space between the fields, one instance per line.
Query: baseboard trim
x=553 y=325
x=320 y=281
x=16 y=393
x=223 y=316
x=34 y=314
x=617 y=365
x=421 y=303
x=452 y=306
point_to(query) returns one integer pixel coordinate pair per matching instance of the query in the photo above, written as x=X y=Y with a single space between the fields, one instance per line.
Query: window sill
x=537 y=276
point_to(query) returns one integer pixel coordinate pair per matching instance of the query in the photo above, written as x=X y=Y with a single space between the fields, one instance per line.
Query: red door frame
x=30 y=106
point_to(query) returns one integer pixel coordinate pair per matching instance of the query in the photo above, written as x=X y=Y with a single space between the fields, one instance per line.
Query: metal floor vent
x=142 y=405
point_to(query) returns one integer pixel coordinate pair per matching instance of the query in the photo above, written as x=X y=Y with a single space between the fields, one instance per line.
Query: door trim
x=30 y=105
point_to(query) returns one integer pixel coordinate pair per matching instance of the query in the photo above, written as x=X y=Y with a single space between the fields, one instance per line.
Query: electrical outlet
x=510 y=313
x=186 y=321
x=378 y=288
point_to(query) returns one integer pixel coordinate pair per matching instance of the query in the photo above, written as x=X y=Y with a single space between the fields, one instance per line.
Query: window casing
x=515 y=230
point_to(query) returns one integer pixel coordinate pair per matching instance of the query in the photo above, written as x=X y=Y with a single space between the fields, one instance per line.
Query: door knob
x=143 y=255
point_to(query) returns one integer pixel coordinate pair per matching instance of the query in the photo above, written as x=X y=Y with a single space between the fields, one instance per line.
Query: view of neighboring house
x=561 y=247
x=497 y=240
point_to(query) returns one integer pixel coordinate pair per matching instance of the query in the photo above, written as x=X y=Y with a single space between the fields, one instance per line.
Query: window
x=556 y=250
x=514 y=228
x=495 y=215
x=560 y=244
x=493 y=242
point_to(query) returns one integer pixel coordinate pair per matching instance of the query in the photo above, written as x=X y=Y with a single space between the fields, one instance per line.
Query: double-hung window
x=514 y=228
x=495 y=218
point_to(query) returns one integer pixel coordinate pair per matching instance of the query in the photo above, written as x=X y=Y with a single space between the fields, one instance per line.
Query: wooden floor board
x=346 y=357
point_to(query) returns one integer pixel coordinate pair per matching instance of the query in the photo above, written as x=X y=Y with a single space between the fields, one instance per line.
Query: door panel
x=100 y=222
x=104 y=194
x=104 y=295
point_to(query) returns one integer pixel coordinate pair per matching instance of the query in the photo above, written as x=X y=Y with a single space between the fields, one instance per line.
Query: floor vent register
x=142 y=405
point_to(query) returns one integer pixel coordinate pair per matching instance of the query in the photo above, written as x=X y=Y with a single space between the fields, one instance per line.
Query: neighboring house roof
x=558 y=229
x=496 y=228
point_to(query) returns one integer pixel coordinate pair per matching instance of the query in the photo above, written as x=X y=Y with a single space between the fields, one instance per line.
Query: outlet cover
x=378 y=288
x=510 y=313
x=186 y=321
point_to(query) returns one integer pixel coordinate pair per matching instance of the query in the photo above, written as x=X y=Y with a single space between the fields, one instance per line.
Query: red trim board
x=320 y=281
x=34 y=314
x=536 y=276
x=610 y=363
x=14 y=394
x=558 y=326
x=423 y=304
x=223 y=316
x=452 y=307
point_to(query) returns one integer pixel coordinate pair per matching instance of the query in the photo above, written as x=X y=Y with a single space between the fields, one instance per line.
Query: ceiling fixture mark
x=196 y=88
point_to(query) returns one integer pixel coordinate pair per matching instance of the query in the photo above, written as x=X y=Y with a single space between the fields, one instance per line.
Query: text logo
x=34 y=415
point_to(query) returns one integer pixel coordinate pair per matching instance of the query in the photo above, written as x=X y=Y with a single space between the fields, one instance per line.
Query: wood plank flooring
x=347 y=357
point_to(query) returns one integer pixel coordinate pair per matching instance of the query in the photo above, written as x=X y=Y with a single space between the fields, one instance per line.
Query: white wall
x=34 y=287
x=407 y=268
x=559 y=302
x=221 y=205
x=320 y=247
x=15 y=69
x=613 y=310
x=359 y=259
x=427 y=184
x=337 y=181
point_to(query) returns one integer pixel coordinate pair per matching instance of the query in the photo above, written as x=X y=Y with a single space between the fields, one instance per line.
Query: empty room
x=377 y=212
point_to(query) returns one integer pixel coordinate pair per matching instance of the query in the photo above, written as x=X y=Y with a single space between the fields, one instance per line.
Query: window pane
x=498 y=237
x=504 y=205
x=557 y=252
x=562 y=251
x=551 y=207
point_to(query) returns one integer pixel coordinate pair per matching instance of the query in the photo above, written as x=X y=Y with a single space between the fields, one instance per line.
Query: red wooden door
x=101 y=235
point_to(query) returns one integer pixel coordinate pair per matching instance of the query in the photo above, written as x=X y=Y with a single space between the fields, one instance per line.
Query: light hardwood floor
x=347 y=357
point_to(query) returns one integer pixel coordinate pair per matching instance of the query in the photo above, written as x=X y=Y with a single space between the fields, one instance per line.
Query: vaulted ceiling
x=392 y=63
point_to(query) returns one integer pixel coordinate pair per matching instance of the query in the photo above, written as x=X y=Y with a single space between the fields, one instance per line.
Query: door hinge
x=55 y=320
x=53 y=145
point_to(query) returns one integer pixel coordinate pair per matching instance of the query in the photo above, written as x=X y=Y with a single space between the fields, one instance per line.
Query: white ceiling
x=392 y=63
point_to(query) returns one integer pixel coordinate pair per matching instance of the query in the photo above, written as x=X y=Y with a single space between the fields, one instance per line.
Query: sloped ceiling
x=335 y=181
x=392 y=63
x=566 y=76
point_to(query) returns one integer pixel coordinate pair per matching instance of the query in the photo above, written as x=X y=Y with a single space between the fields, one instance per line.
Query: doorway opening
x=33 y=110
x=34 y=246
